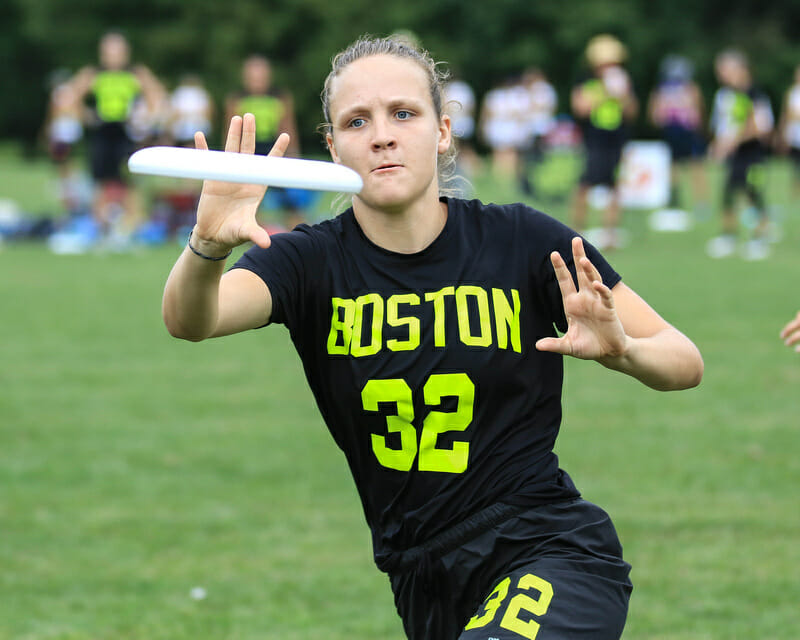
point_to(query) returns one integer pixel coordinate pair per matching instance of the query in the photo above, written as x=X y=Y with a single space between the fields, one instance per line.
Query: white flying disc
x=183 y=162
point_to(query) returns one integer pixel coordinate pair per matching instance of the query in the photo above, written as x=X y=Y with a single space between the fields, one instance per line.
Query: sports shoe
x=756 y=249
x=721 y=246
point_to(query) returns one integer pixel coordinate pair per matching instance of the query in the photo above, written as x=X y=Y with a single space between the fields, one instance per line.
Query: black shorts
x=551 y=572
x=684 y=143
x=745 y=173
x=109 y=149
x=601 y=165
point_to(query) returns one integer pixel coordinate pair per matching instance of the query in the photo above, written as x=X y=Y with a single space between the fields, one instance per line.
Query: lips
x=387 y=166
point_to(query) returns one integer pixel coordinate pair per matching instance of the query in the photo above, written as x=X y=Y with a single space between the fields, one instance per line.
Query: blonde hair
x=404 y=48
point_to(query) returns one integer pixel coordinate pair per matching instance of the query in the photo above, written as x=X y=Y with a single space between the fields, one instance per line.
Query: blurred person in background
x=461 y=105
x=604 y=105
x=63 y=129
x=274 y=111
x=191 y=109
x=741 y=123
x=791 y=333
x=788 y=131
x=540 y=118
x=676 y=108
x=503 y=126
x=111 y=91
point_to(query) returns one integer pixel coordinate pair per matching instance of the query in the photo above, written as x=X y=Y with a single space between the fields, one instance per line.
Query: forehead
x=379 y=77
x=113 y=43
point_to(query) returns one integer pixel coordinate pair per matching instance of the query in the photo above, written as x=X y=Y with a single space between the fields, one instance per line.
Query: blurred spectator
x=112 y=91
x=788 y=138
x=539 y=118
x=460 y=104
x=503 y=125
x=63 y=129
x=274 y=112
x=191 y=109
x=676 y=107
x=604 y=104
x=741 y=122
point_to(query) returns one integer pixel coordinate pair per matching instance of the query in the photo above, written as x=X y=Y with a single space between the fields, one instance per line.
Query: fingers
x=248 y=141
x=234 y=140
x=258 y=235
x=200 y=141
x=554 y=345
x=563 y=276
x=281 y=145
x=584 y=268
x=791 y=333
x=793 y=326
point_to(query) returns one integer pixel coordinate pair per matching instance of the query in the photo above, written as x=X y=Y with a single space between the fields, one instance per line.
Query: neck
x=407 y=230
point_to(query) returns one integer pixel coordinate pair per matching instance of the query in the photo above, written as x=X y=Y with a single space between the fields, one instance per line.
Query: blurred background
x=151 y=488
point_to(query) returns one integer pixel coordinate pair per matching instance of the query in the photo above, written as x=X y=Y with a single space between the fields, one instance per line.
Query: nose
x=382 y=135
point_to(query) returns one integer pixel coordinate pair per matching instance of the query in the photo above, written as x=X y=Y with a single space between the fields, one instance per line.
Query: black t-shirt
x=424 y=366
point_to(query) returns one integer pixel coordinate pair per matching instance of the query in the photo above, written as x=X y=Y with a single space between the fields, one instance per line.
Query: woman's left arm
x=620 y=330
x=656 y=353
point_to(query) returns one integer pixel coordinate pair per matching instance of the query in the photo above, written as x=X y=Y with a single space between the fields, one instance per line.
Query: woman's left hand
x=594 y=329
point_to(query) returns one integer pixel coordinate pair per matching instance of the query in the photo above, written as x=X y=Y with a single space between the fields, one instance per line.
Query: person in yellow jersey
x=110 y=91
x=274 y=112
x=604 y=105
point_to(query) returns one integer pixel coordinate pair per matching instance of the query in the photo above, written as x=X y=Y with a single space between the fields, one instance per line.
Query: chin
x=386 y=199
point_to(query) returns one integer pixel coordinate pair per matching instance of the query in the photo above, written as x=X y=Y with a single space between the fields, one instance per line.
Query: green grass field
x=135 y=467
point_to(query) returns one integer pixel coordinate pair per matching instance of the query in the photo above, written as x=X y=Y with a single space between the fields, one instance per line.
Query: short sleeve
x=285 y=267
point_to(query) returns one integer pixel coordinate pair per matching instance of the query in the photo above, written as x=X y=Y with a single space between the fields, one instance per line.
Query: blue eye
x=355 y=123
x=403 y=115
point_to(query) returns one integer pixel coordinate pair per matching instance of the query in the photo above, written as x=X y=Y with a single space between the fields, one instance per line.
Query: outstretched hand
x=226 y=212
x=594 y=329
x=791 y=333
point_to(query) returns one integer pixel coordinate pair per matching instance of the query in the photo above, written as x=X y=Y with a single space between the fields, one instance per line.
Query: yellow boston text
x=484 y=318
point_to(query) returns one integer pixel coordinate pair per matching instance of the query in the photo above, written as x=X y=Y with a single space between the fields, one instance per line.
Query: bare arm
x=656 y=353
x=620 y=330
x=199 y=301
x=289 y=125
x=153 y=90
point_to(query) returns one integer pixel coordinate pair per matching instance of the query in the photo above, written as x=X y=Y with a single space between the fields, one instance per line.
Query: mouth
x=386 y=167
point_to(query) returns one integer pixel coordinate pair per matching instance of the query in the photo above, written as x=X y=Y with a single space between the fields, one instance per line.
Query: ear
x=332 y=148
x=445 y=134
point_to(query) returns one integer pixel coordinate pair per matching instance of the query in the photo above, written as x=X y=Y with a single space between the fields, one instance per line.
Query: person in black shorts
x=604 y=104
x=741 y=121
x=427 y=327
x=112 y=90
x=676 y=108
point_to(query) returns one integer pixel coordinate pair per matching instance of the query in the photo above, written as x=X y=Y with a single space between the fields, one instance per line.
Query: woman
x=426 y=328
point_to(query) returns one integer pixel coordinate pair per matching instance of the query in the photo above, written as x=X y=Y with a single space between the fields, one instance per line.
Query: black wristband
x=203 y=255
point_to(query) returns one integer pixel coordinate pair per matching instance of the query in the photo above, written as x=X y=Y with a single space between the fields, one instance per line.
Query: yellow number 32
x=431 y=458
x=519 y=603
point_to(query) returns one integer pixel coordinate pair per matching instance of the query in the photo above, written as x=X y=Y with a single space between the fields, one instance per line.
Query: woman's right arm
x=199 y=301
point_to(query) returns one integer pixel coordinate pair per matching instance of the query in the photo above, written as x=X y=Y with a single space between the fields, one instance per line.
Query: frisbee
x=201 y=164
